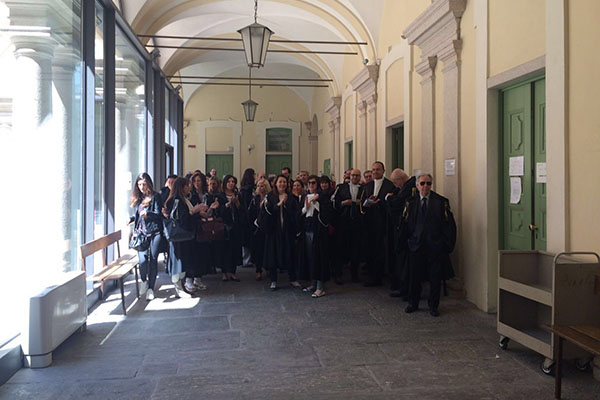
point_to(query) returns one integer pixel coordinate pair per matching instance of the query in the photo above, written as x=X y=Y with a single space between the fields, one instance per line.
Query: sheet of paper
x=540 y=172
x=515 y=190
x=450 y=167
x=516 y=166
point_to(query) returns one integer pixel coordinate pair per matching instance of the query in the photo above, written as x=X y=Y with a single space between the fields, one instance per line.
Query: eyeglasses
x=428 y=183
x=312 y=182
x=355 y=175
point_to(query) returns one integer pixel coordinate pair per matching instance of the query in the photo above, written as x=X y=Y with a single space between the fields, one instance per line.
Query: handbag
x=139 y=241
x=174 y=231
x=210 y=229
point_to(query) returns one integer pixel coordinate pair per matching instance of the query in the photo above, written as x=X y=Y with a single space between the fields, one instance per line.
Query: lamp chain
x=255 y=9
x=250 y=83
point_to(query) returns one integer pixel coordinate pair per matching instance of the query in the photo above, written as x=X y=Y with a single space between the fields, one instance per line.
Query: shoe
x=258 y=276
x=179 y=292
x=273 y=286
x=295 y=285
x=224 y=279
x=410 y=309
x=234 y=278
x=434 y=313
x=318 y=294
x=308 y=289
x=150 y=294
x=143 y=287
x=189 y=286
x=199 y=285
x=373 y=283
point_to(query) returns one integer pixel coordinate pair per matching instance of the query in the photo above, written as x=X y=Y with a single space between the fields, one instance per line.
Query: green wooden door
x=276 y=162
x=222 y=162
x=349 y=154
x=327 y=167
x=398 y=147
x=523 y=202
x=539 y=155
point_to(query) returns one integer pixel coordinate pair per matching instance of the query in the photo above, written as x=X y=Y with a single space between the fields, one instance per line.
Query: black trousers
x=148 y=260
x=425 y=265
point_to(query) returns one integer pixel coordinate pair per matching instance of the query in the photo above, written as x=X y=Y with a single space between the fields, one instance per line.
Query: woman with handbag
x=233 y=217
x=215 y=200
x=247 y=187
x=263 y=188
x=179 y=208
x=280 y=212
x=148 y=227
x=201 y=263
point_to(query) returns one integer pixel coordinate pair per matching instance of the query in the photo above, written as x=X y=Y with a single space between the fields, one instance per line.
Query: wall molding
x=520 y=72
x=236 y=127
x=394 y=121
x=261 y=145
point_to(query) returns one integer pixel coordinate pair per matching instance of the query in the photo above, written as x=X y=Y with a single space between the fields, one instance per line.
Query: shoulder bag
x=174 y=231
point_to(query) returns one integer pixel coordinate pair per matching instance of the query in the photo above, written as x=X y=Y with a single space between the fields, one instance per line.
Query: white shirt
x=378 y=183
x=312 y=206
x=353 y=190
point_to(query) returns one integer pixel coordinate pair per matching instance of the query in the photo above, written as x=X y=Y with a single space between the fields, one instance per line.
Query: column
x=313 y=148
x=426 y=69
x=333 y=109
x=362 y=160
x=371 y=102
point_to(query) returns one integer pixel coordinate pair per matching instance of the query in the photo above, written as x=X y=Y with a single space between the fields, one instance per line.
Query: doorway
x=523 y=166
x=222 y=162
x=398 y=146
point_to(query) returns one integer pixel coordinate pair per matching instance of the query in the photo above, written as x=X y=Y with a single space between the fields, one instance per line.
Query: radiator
x=53 y=315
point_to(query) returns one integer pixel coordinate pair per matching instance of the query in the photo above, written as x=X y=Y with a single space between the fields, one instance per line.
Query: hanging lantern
x=255 y=38
x=249 y=109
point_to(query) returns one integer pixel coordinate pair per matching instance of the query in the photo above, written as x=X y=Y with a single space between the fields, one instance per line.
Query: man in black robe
x=377 y=223
x=348 y=203
x=429 y=227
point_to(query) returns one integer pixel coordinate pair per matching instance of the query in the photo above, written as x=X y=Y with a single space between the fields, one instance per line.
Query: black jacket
x=154 y=216
x=349 y=212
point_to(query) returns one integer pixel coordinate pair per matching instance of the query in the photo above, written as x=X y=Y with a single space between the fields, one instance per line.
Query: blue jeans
x=149 y=261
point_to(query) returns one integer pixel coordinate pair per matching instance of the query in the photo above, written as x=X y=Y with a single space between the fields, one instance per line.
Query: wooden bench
x=115 y=270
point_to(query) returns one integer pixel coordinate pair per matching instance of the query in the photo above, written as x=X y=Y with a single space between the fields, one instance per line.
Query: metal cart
x=537 y=288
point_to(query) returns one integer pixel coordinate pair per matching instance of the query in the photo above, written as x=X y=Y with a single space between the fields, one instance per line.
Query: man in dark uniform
x=348 y=203
x=377 y=223
x=429 y=227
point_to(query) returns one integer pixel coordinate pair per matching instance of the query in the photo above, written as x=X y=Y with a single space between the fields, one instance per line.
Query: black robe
x=257 y=243
x=233 y=217
x=317 y=264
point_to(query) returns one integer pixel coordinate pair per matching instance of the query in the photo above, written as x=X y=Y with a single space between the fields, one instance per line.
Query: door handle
x=533 y=227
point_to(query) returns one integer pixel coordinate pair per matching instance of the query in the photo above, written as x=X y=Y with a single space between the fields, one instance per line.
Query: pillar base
x=37 y=361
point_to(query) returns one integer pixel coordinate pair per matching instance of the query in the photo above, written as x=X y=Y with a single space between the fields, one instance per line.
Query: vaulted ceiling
x=298 y=20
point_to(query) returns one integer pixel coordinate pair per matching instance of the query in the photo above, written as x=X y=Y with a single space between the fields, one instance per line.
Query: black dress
x=201 y=263
x=315 y=257
x=181 y=253
x=280 y=224
x=216 y=248
x=245 y=200
x=233 y=217
x=257 y=242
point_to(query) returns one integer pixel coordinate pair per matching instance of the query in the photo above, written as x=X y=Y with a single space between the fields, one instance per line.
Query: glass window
x=41 y=137
x=279 y=140
x=99 y=131
x=167 y=120
x=130 y=125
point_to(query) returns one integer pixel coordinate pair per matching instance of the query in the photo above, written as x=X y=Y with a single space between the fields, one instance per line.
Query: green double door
x=523 y=164
x=222 y=162
x=276 y=162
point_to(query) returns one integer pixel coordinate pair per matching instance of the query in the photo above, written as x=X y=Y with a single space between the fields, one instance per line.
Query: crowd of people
x=309 y=227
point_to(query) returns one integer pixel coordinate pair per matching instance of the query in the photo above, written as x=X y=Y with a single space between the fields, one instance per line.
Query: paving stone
x=339 y=354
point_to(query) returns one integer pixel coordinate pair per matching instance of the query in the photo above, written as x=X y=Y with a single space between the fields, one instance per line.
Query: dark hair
x=287 y=186
x=226 y=179
x=178 y=186
x=188 y=176
x=325 y=178
x=316 y=178
x=136 y=194
x=204 y=184
x=172 y=176
x=380 y=163
x=288 y=169
x=248 y=177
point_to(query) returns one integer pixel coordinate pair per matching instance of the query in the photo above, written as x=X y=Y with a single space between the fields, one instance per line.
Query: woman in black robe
x=263 y=188
x=279 y=215
x=201 y=260
x=247 y=187
x=234 y=216
x=215 y=200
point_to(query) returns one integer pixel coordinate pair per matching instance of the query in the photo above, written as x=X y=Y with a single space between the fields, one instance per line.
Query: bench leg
x=558 y=347
x=123 y=296
x=137 y=286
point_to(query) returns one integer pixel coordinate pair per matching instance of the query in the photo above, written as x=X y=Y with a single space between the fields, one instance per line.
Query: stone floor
x=242 y=341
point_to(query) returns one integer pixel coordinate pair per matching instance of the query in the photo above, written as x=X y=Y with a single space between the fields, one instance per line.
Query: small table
x=585 y=336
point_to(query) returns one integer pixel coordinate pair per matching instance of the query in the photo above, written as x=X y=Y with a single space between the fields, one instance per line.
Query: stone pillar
x=426 y=69
x=313 y=148
x=361 y=134
x=333 y=109
x=371 y=102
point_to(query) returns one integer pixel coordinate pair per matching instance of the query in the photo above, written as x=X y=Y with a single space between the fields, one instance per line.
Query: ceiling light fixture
x=249 y=105
x=255 y=38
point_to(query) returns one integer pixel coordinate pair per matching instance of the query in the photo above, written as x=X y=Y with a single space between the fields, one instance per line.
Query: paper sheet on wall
x=450 y=167
x=516 y=166
x=540 y=172
x=515 y=190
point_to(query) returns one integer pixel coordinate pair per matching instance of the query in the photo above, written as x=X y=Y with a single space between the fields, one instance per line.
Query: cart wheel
x=547 y=366
x=503 y=342
x=583 y=364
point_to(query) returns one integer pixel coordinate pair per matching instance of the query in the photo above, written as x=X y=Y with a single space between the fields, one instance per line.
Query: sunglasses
x=428 y=183
x=312 y=182
x=355 y=175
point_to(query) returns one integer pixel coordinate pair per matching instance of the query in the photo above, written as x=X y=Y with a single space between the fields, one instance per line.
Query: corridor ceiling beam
x=244 y=84
x=254 y=79
x=239 y=40
x=343 y=53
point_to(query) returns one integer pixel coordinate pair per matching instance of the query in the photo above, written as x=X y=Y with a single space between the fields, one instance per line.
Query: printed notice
x=540 y=172
x=515 y=190
x=515 y=166
x=450 y=167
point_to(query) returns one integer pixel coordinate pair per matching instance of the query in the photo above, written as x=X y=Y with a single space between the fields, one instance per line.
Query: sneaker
x=199 y=285
x=150 y=295
x=273 y=286
x=143 y=287
x=189 y=286
x=179 y=292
